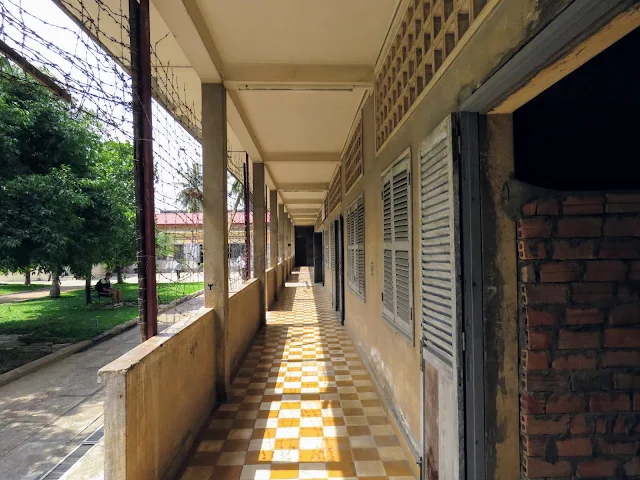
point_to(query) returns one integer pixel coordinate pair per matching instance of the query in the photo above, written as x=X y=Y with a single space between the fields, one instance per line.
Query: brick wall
x=579 y=283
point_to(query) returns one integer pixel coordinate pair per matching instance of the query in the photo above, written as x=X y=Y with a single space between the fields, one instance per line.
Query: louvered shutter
x=332 y=247
x=440 y=270
x=359 y=246
x=397 y=284
x=355 y=245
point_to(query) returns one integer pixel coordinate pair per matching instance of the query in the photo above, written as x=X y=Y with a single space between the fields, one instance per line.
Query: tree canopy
x=67 y=195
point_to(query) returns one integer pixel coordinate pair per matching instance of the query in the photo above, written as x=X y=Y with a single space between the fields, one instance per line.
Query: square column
x=259 y=240
x=273 y=227
x=281 y=233
x=214 y=202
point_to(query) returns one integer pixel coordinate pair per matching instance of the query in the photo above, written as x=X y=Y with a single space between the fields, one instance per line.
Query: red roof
x=184 y=218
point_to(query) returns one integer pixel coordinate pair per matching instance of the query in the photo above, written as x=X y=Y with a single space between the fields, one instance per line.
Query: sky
x=53 y=41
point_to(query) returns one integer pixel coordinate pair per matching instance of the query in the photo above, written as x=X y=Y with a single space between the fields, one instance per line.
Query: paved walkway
x=44 y=415
x=303 y=405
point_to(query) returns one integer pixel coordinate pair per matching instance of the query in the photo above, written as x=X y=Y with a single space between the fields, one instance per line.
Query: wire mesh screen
x=78 y=53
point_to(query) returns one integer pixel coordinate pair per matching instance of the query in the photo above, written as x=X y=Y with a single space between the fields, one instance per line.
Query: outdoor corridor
x=303 y=405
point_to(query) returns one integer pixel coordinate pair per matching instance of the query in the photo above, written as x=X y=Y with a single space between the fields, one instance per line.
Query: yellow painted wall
x=393 y=358
x=244 y=322
x=271 y=277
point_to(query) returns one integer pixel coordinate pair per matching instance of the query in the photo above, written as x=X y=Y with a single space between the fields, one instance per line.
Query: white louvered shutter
x=440 y=277
x=397 y=286
x=355 y=245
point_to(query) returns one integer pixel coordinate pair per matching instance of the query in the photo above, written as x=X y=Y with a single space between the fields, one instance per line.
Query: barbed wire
x=83 y=47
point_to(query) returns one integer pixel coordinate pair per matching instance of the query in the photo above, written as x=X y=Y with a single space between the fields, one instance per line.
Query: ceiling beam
x=303 y=157
x=303 y=201
x=303 y=211
x=282 y=76
x=303 y=187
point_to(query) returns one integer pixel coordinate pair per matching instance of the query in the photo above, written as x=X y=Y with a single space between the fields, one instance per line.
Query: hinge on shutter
x=464 y=342
x=409 y=178
x=382 y=295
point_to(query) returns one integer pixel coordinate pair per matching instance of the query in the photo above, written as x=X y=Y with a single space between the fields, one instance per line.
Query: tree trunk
x=27 y=277
x=87 y=288
x=119 y=275
x=55 y=284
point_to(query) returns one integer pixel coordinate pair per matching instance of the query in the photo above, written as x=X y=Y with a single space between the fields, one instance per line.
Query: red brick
x=601 y=425
x=591 y=292
x=528 y=274
x=583 y=316
x=634 y=271
x=577 y=361
x=609 y=402
x=544 y=294
x=620 y=248
x=632 y=468
x=623 y=198
x=622 y=338
x=626 y=294
x=579 y=227
x=537 y=318
x=537 y=468
x=570 y=340
x=596 y=468
x=636 y=401
x=625 y=315
x=605 y=271
x=622 y=227
x=582 y=205
x=560 y=272
x=534 y=228
x=606 y=447
x=534 y=446
x=533 y=426
x=539 y=340
x=573 y=249
x=621 y=359
x=544 y=382
x=540 y=207
x=625 y=422
x=580 y=425
x=532 y=250
x=575 y=447
x=536 y=360
x=532 y=404
x=626 y=381
x=558 y=403
x=591 y=380
x=623 y=208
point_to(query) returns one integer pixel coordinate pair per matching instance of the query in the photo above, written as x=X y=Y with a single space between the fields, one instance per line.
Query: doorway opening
x=304 y=246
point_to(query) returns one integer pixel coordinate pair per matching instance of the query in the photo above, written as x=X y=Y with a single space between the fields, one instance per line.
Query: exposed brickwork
x=579 y=282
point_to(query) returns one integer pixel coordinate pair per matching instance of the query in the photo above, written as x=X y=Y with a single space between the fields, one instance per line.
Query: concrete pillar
x=281 y=233
x=216 y=265
x=259 y=240
x=273 y=227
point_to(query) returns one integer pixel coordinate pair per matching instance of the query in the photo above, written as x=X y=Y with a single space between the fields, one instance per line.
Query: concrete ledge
x=243 y=323
x=158 y=396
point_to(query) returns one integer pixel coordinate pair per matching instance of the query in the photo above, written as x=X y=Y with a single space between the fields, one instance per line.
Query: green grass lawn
x=7 y=288
x=67 y=319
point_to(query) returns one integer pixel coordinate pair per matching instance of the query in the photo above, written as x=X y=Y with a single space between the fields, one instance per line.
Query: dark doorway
x=580 y=134
x=318 y=266
x=304 y=246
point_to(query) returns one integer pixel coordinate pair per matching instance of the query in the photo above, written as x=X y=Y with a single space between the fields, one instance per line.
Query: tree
x=66 y=196
x=190 y=195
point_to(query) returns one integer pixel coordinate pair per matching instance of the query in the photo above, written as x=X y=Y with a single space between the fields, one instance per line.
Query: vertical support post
x=273 y=226
x=214 y=202
x=247 y=218
x=281 y=233
x=259 y=240
x=140 y=40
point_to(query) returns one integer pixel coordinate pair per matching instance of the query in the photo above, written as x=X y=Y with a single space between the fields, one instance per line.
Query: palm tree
x=190 y=195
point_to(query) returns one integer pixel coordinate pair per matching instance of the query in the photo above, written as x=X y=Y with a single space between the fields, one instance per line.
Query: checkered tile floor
x=303 y=405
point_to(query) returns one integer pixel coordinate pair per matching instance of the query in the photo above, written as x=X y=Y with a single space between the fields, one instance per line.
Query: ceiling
x=296 y=72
